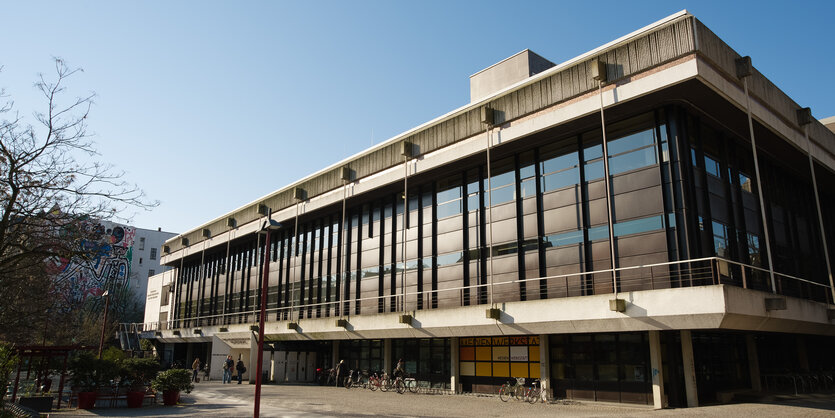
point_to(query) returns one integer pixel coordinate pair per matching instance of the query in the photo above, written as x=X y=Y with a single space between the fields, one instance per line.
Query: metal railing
x=676 y=274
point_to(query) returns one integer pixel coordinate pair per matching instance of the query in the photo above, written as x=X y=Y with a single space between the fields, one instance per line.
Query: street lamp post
x=106 y=296
x=269 y=225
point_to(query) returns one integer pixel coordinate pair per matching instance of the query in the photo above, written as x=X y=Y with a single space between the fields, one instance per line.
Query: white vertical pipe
x=759 y=186
x=608 y=190
x=820 y=214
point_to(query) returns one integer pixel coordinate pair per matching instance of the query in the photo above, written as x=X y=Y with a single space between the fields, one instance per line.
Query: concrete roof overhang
x=717 y=307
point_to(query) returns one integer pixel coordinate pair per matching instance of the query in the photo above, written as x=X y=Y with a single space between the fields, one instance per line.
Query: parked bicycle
x=512 y=389
x=385 y=382
x=374 y=382
x=357 y=379
x=534 y=393
x=411 y=384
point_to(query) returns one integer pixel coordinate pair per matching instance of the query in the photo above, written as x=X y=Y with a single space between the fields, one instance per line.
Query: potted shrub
x=86 y=378
x=35 y=400
x=136 y=376
x=171 y=383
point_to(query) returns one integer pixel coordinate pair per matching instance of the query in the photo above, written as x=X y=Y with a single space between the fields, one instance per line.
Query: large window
x=632 y=151
x=560 y=167
x=449 y=197
x=720 y=239
x=503 y=182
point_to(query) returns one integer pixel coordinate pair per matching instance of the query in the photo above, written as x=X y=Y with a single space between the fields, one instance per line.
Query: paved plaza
x=218 y=400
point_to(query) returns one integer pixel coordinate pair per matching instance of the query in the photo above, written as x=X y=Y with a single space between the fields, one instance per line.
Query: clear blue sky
x=211 y=105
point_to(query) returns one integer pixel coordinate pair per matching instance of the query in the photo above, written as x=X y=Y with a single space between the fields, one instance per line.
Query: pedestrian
x=400 y=369
x=339 y=371
x=241 y=370
x=195 y=367
x=228 y=366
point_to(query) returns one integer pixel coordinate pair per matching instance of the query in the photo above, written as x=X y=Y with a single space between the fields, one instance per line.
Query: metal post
x=759 y=185
x=489 y=215
x=608 y=191
x=104 y=324
x=403 y=235
x=820 y=214
x=342 y=234
x=262 y=321
x=294 y=248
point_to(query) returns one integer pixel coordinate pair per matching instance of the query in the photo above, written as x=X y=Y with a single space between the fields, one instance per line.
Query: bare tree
x=50 y=185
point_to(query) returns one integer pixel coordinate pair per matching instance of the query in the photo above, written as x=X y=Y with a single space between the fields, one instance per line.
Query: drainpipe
x=744 y=69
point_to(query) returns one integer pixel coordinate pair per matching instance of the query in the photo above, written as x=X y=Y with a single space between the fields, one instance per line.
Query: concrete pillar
x=272 y=365
x=802 y=356
x=656 y=370
x=690 y=386
x=189 y=355
x=253 y=358
x=387 y=355
x=455 y=374
x=545 y=364
x=753 y=363
x=219 y=352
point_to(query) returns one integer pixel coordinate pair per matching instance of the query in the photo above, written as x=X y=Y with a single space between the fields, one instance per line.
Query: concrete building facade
x=603 y=225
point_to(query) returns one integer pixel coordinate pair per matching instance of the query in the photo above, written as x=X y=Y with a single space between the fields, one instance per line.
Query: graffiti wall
x=108 y=248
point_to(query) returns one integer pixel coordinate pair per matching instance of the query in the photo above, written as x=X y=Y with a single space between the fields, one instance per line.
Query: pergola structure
x=45 y=354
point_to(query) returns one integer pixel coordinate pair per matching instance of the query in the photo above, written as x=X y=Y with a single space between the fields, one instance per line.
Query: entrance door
x=280 y=366
x=311 y=367
x=292 y=366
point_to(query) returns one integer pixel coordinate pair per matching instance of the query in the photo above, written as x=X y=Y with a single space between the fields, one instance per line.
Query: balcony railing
x=677 y=274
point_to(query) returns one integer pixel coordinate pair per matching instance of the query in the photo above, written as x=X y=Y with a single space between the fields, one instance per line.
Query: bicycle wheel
x=412 y=385
x=400 y=386
x=519 y=392
x=504 y=393
x=372 y=384
x=532 y=395
x=348 y=383
x=385 y=385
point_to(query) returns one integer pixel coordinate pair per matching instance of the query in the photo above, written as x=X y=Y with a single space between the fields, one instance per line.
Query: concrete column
x=189 y=355
x=753 y=363
x=656 y=370
x=690 y=386
x=455 y=373
x=272 y=365
x=253 y=358
x=545 y=364
x=387 y=355
x=219 y=352
x=802 y=356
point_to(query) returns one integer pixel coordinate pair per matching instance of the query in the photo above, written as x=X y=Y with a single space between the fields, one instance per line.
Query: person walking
x=339 y=371
x=195 y=367
x=228 y=366
x=241 y=370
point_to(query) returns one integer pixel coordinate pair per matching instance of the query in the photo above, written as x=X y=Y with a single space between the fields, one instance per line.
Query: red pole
x=17 y=379
x=61 y=386
x=262 y=320
x=104 y=324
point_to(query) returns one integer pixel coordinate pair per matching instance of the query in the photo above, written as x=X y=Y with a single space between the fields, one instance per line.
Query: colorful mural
x=109 y=250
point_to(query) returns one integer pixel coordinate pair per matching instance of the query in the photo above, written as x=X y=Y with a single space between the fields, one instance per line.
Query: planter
x=37 y=403
x=86 y=400
x=170 y=397
x=135 y=398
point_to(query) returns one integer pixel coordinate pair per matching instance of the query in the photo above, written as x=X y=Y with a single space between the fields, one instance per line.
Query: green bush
x=138 y=372
x=90 y=373
x=8 y=362
x=173 y=379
